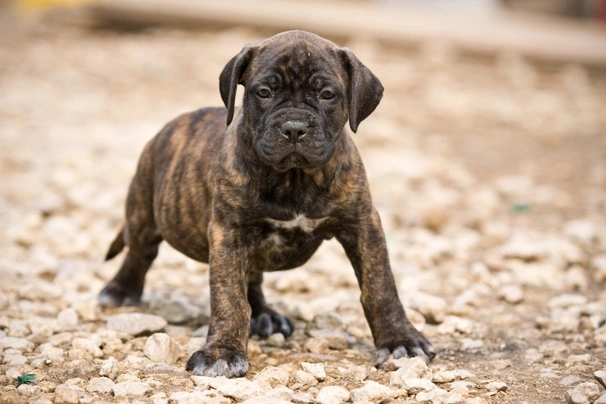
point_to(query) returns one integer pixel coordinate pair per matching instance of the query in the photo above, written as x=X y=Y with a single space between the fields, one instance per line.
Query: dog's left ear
x=231 y=76
x=365 y=89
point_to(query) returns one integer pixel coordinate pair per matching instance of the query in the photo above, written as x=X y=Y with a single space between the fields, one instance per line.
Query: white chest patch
x=300 y=221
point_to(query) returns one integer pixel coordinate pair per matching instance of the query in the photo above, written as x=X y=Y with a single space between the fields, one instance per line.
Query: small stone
x=67 y=319
x=326 y=321
x=268 y=399
x=276 y=340
x=444 y=376
x=160 y=347
x=570 y=380
x=434 y=396
x=300 y=379
x=371 y=392
x=19 y=344
x=433 y=308
x=332 y=395
x=302 y=398
x=281 y=392
x=494 y=387
x=601 y=400
x=84 y=348
x=581 y=231
x=600 y=376
x=100 y=385
x=415 y=386
x=28 y=389
x=14 y=359
x=567 y=300
x=272 y=375
x=413 y=368
x=131 y=388
x=584 y=393
x=135 y=323
x=65 y=395
x=468 y=344
x=512 y=294
x=578 y=359
x=198 y=397
x=175 y=309
x=239 y=389
x=314 y=369
x=109 y=367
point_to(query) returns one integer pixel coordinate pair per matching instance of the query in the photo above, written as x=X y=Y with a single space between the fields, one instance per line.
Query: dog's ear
x=231 y=76
x=365 y=89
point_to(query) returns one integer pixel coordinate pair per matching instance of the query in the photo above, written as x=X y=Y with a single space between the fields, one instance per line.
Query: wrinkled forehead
x=296 y=57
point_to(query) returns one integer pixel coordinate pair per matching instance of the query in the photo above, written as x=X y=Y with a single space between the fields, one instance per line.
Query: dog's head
x=300 y=90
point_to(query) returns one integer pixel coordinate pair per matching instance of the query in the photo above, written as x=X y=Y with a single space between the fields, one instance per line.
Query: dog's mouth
x=285 y=157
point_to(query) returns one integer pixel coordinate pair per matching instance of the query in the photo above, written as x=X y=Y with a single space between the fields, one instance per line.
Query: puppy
x=262 y=193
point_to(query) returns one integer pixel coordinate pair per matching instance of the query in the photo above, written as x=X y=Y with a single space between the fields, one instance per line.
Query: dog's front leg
x=224 y=353
x=364 y=244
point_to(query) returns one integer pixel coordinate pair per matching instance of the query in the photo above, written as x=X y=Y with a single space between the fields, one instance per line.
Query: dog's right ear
x=231 y=76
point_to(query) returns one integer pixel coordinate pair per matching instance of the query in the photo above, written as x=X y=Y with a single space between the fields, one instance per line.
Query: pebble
x=109 y=368
x=19 y=344
x=131 y=389
x=601 y=399
x=101 y=385
x=85 y=348
x=332 y=395
x=314 y=369
x=276 y=340
x=578 y=359
x=301 y=379
x=160 y=347
x=600 y=376
x=412 y=368
x=433 y=308
x=197 y=397
x=302 y=398
x=581 y=231
x=415 y=386
x=584 y=393
x=268 y=399
x=239 y=389
x=513 y=294
x=494 y=387
x=66 y=395
x=67 y=319
x=135 y=323
x=175 y=308
x=570 y=380
x=371 y=392
x=434 y=396
x=272 y=375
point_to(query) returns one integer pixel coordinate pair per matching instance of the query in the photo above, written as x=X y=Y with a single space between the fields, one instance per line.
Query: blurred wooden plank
x=542 y=38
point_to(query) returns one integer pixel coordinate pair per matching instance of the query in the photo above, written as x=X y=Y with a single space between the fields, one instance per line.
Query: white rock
x=302 y=398
x=435 y=396
x=567 y=300
x=371 y=392
x=67 y=319
x=412 y=368
x=582 y=231
x=600 y=376
x=578 y=359
x=300 y=379
x=332 y=395
x=100 y=385
x=66 y=395
x=444 y=376
x=268 y=399
x=239 y=389
x=432 y=307
x=494 y=387
x=19 y=344
x=584 y=393
x=130 y=388
x=198 y=397
x=160 y=347
x=598 y=264
x=520 y=247
x=326 y=321
x=272 y=375
x=14 y=359
x=109 y=367
x=276 y=340
x=40 y=291
x=282 y=392
x=601 y=400
x=84 y=348
x=314 y=369
x=415 y=386
x=135 y=323
x=175 y=309
x=513 y=294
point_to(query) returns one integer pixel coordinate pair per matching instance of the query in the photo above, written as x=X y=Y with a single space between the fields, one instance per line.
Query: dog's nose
x=294 y=130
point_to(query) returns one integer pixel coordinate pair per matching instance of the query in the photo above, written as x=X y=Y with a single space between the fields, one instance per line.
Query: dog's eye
x=327 y=95
x=264 y=93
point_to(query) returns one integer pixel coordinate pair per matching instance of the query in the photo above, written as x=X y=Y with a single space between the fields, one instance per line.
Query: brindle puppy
x=262 y=195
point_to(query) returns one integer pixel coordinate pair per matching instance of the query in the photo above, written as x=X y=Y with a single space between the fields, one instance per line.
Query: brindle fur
x=219 y=195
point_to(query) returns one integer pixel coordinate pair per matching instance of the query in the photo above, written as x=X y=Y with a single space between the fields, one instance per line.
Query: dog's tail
x=116 y=246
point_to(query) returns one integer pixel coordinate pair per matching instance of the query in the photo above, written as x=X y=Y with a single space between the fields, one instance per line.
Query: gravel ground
x=489 y=174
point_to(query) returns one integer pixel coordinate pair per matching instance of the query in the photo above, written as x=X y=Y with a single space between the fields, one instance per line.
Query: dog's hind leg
x=264 y=320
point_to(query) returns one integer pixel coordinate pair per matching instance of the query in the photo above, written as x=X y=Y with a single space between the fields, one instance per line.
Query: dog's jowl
x=258 y=188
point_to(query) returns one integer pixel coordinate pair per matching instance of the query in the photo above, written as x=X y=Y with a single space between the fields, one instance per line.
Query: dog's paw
x=268 y=323
x=208 y=363
x=116 y=295
x=415 y=345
